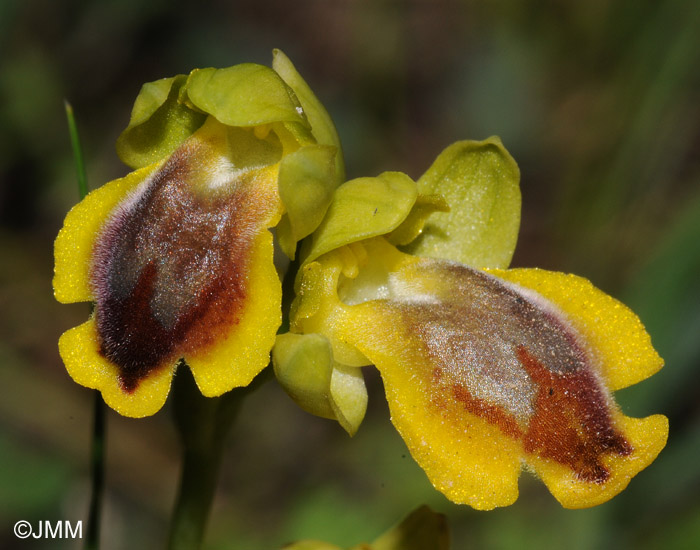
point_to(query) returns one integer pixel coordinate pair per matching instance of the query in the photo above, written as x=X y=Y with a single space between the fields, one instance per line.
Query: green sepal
x=413 y=225
x=159 y=123
x=480 y=181
x=306 y=181
x=322 y=125
x=422 y=529
x=305 y=368
x=363 y=208
x=302 y=364
x=311 y=545
x=243 y=95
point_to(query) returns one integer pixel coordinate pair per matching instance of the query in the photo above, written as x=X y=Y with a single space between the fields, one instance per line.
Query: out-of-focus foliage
x=597 y=101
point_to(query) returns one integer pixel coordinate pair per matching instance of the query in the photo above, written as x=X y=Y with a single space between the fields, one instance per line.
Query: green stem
x=92 y=537
x=197 y=486
x=97 y=454
x=203 y=423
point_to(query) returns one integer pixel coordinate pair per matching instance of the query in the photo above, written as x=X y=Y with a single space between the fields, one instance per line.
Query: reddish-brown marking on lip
x=170 y=271
x=492 y=413
x=558 y=408
x=571 y=424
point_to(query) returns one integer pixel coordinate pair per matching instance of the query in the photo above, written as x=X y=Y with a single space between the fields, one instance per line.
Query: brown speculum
x=170 y=269
x=511 y=358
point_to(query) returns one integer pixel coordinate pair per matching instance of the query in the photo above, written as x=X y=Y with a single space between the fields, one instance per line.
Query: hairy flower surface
x=486 y=370
x=177 y=256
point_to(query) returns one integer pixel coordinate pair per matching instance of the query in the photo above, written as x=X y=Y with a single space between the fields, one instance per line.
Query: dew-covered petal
x=80 y=350
x=244 y=348
x=611 y=328
x=482 y=375
x=646 y=436
x=179 y=261
x=172 y=267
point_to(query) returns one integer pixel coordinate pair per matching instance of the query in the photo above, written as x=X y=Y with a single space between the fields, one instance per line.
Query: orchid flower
x=177 y=256
x=486 y=370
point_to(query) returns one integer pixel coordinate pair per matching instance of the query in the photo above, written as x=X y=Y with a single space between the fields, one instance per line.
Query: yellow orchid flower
x=177 y=256
x=486 y=370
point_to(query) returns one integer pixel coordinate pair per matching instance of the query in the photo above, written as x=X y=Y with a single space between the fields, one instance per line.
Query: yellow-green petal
x=364 y=208
x=348 y=396
x=480 y=182
x=302 y=364
x=307 y=179
x=413 y=225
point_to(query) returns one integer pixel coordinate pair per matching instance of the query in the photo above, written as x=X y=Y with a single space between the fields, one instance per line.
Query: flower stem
x=197 y=485
x=92 y=537
x=203 y=423
x=97 y=454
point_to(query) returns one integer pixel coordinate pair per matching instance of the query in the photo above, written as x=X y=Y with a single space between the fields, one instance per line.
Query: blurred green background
x=598 y=101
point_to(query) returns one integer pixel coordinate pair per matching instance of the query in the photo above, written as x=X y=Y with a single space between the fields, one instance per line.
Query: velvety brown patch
x=170 y=269
x=572 y=423
x=492 y=413
x=512 y=358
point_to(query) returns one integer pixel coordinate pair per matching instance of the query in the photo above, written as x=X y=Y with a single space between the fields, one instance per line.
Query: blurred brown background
x=598 y=101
